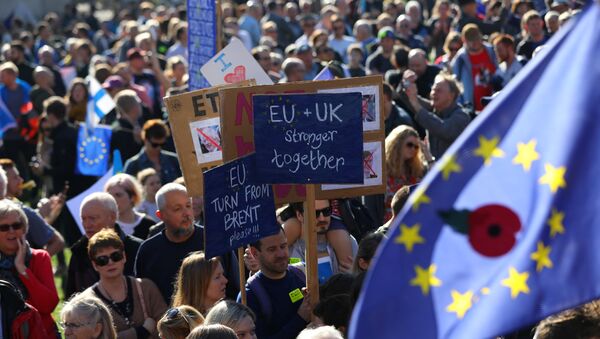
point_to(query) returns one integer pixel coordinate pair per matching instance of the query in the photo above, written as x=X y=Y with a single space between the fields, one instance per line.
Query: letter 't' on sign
x=308 y=138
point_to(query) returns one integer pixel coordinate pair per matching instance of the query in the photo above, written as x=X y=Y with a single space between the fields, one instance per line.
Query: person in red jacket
x=28 y=269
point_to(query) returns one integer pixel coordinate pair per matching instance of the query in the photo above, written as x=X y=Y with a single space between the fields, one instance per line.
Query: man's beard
x=182 y=232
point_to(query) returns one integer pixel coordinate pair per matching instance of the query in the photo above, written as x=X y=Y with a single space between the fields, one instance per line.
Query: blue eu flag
x=93 y=147
x=504 y=230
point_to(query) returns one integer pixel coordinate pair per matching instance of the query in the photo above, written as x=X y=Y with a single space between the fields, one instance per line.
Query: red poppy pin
x=491 y=228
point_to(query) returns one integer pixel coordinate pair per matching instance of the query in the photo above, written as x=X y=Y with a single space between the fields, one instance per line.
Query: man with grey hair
x=126 y=131
x=160 y=256
x=98 y=210
x=294 y=70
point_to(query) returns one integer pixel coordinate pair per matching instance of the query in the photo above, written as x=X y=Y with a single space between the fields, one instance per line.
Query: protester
x=135 y=304
x=323 y=332
x=126 y=130
x=200 y=283
x=87 y=317
x=366 y=251
x=236 y=316
x=214 y=331
x=150 y=184
x=128 y=194
x=178 y=322
x=77 y=97
x=26 y=268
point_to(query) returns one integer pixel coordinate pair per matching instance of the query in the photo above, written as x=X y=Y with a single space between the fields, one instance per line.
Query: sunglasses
x=172 y=313
x=104 y=259
x=157 y=144
x=14 y=226
x=74 y=326
x=325 y=211
x=412 y=145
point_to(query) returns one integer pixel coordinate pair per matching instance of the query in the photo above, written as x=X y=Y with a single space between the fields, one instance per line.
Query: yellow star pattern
x=554 y=177
x=449 y=165
x=517 y=282
x=485 y=291
x=420 y=198
x=488 y=148
x=526 y=154
x=409 y=236
x=556 y=223
x=542 y=257
x=461 y=303
x=425 y=278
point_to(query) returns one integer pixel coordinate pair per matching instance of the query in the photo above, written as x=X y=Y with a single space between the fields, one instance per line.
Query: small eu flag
x=504 y=230
x=93 y=148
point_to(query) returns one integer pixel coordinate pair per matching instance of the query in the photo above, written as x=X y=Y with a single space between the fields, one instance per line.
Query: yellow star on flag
x=420 y=198
x=554 y=177
x=526 y=154
x=409 y=236
x=449 y=165
x=556 y=223
x=488 y=148
x=542 y=257
x=517 y=282
x=425 y=278
x=461 y=303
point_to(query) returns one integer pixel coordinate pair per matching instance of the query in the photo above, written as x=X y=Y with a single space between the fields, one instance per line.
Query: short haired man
x=126 y=131
x=98 y=211
x=160 y=256
x=311 y=67
x=535 y=36
x=426 y=73
x=275 y=293
x=294 y=70
x=338 y=40
x=379 y=61
x=40 y=234
x=442 y=117
x=509 y=63
x=469 y=15
x=474 y=65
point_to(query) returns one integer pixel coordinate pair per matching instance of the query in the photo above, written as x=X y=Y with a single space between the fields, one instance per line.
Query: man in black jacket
x=98 y=211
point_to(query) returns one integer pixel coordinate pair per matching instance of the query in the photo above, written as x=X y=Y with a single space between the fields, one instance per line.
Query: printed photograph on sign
x=370 y=104
x=206 y=135
x=372 y=170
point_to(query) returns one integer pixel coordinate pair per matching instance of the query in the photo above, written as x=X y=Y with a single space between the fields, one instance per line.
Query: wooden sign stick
x=310 y=238
x=242 y=268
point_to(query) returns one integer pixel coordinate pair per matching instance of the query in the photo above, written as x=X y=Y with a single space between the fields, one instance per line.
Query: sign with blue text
x=237 y=210
x=202 y=38
x=308 y=138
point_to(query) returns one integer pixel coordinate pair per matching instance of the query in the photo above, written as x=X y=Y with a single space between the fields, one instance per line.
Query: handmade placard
x=202 y=38
x=237 y=209
x=308 y=138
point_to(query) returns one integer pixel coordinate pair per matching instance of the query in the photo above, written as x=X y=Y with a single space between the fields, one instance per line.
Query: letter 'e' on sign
x=308 y=138
x=237 y=209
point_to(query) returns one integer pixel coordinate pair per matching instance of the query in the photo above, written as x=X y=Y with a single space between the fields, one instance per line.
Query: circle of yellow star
x=409 y=236
x=425 y=278
x=526 y=154
x=449 y=165
x=517 y=282
x=461 y=303
x=556 y=223
x=488 y=149
x=542 y=257
x=420 y=198
x=554 y=177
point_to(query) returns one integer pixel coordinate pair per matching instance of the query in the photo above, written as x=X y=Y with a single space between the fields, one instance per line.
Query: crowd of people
x=137 y=268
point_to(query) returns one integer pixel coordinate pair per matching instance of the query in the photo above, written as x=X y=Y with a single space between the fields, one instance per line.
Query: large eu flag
x=504 y=230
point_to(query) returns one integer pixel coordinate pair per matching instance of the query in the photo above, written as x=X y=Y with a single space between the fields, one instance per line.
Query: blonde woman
x=200 y=283
x=404 y=161
x=128 y=193
x=179 y=321
x=86 y=317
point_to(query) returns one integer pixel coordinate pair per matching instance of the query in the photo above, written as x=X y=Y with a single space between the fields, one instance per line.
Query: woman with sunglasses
x=135 y=304
x=200 y=283
x=28 y=269
x=127 y=193
x=85 y=317
x=155 y=134
x=404 y=161
x=178 y=322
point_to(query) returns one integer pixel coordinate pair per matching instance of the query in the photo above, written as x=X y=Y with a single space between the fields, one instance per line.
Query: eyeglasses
x=412 y=145
x=104 y=259
x=157 y=144
x=74 y=326
x=14 y=226
x=325 y=211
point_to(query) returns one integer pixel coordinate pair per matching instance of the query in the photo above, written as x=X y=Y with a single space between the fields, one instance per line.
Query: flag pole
x=310 y=238
x=240 y=253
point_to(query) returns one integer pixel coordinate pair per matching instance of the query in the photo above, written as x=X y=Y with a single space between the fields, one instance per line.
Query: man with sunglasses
x=98 y=211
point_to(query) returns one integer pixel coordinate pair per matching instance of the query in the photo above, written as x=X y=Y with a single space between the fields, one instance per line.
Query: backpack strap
x=138 y=287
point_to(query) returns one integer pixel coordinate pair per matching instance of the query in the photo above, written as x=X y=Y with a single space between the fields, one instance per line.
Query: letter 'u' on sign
x=237 y=209
x=308 y=138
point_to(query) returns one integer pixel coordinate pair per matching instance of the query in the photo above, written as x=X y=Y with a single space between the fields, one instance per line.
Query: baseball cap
x=386 y=32
x=113 y=81
x=133 y=53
